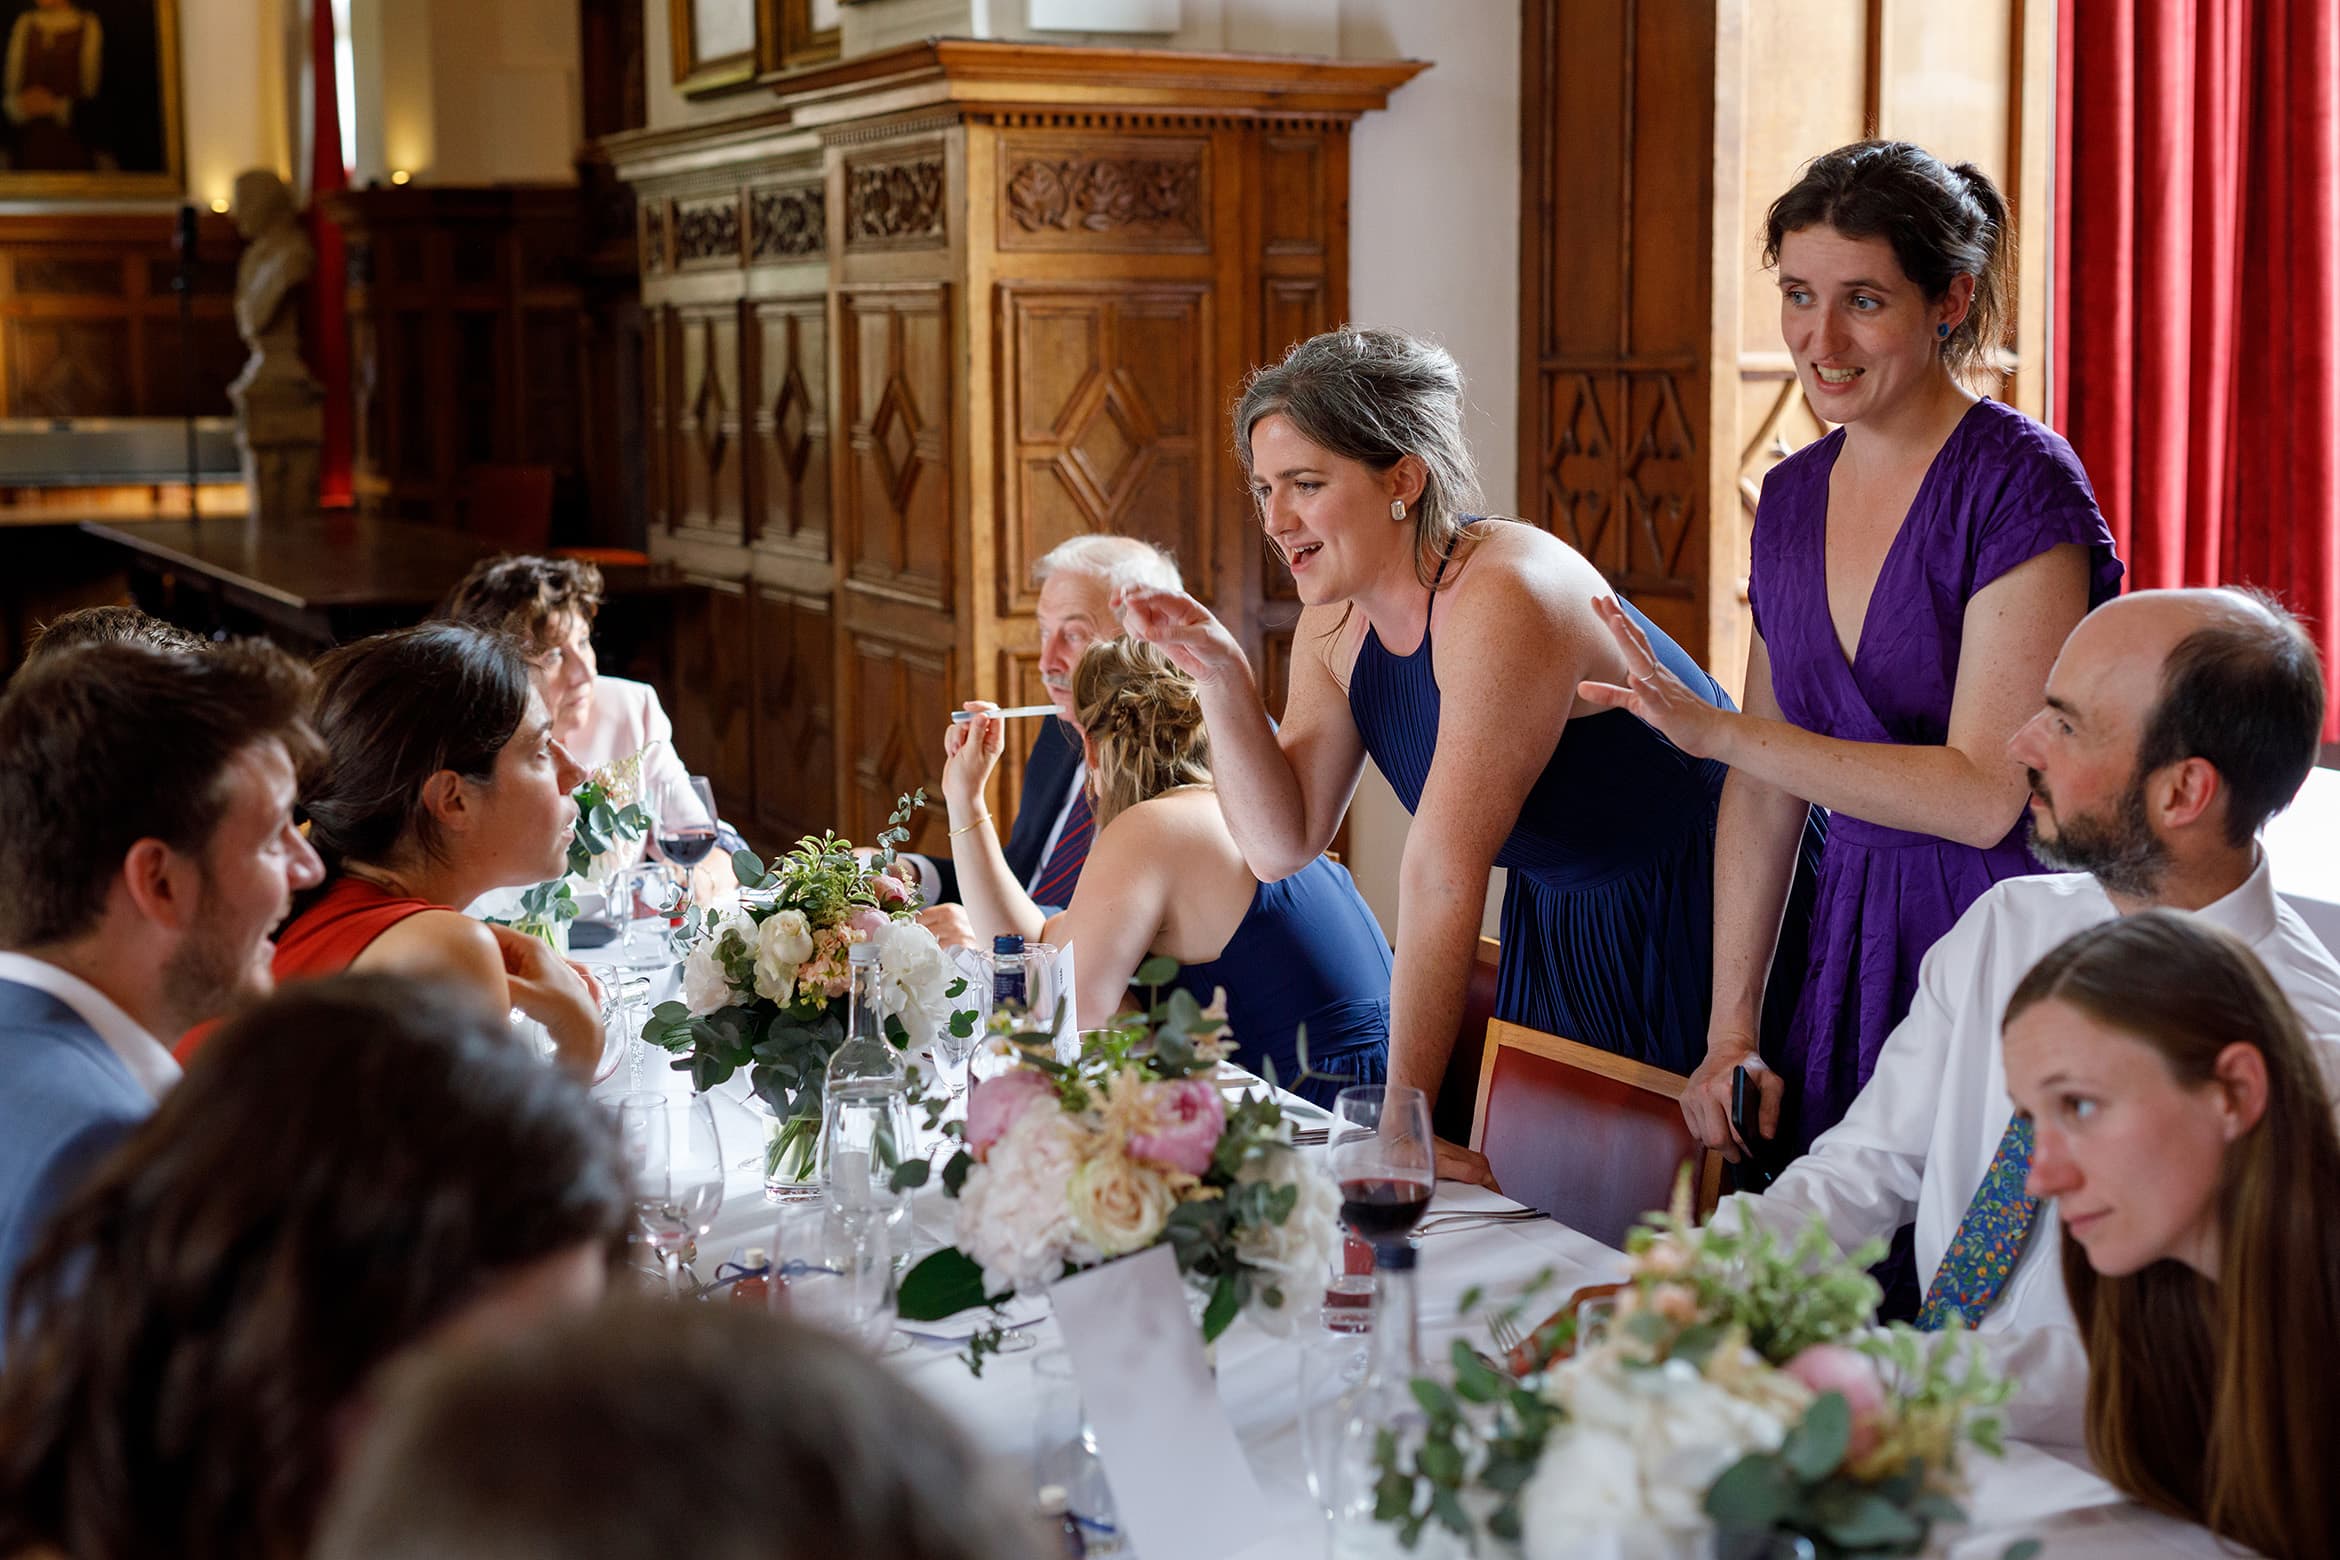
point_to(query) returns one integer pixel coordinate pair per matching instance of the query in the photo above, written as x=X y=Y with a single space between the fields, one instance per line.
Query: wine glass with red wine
x=685 y=835
x=1384 y=1158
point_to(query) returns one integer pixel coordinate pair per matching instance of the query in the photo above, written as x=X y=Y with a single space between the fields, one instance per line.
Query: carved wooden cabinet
x=938 y=310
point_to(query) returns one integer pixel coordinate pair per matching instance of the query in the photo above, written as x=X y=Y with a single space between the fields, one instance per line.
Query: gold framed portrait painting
x=89 y=99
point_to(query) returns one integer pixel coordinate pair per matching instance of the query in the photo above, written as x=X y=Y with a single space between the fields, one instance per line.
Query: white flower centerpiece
x=1737 y=1396
x=610 y=823
x=765 y=986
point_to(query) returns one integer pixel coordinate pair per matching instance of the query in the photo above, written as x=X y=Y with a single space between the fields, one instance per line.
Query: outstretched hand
x=1183 y=629
x=1652 y=692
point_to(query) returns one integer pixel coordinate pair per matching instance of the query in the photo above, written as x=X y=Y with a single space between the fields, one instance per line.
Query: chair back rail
x=1592 y=1138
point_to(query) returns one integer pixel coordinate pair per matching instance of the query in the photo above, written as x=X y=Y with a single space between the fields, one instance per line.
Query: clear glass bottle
x=1383 y=1401
x=865 y=1107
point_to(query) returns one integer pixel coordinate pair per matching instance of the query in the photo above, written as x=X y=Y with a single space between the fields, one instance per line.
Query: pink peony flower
x=1831 y=1367
x=867 y=922
x=889 y=890
x=996 y=1104
x=1188 y=1118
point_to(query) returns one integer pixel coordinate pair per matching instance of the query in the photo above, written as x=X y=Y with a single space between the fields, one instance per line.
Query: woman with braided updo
x=1165 y=877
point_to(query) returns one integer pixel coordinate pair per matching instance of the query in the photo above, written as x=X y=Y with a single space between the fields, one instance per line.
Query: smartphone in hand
x=1755 y=1170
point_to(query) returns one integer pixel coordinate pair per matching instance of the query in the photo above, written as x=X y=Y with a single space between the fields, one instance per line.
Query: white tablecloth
x=2032 y=1493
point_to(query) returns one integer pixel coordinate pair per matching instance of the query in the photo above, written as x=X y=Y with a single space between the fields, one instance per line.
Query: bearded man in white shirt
x=2175 y=724
x=148 y=850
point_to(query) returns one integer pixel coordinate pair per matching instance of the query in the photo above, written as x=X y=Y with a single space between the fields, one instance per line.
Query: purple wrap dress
x=2002 y=490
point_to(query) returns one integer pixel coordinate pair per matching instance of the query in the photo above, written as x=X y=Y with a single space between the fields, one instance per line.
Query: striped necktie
x=1990 y=1238
x=1055 y=888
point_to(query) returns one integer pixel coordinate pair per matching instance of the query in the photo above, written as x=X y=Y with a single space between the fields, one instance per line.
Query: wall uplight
x=399 y=176
x=220 y=205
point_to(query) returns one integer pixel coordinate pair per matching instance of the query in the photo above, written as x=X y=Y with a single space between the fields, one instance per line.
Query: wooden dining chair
x=1592 y=1138
x=1456 y=1107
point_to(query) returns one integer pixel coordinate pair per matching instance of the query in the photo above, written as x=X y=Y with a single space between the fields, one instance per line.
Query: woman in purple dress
x=1914 y=574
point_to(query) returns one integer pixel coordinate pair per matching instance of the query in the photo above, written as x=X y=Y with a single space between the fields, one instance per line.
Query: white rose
x=704 y=988
x=783 y=942
x=914 y=975
x=1292 y=1257
x=1119 y=1204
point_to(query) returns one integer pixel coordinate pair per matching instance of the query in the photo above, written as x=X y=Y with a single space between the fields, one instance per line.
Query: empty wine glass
x=676 y=1160
x=834 y=1269
x=643 y=901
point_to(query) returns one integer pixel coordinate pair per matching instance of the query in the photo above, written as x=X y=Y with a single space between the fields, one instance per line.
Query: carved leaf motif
x=785 y=224
x=896 y=200
x=1102 y=194
x=707 y=231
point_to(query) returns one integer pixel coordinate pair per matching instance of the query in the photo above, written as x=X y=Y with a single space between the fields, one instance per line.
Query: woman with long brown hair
x=2182 y=1124
x=1165 y=877
x=349 y=1169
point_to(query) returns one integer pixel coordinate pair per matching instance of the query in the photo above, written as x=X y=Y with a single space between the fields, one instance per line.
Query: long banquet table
x=2033 y=1492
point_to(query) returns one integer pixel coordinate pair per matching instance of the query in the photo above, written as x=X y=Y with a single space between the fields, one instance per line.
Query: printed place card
x=1181 y=1485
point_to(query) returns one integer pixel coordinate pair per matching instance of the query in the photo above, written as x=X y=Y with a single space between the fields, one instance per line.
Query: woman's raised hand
x=1652 y=692
x=971 y=750
x=1183 y=629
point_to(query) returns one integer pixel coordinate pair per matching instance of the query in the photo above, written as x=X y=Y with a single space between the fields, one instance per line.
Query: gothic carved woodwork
x=793 y=656
x=787 y=224
x=653 y=236
x=791 y=428
x=1073 y=193
x=895 y=379
x=896 y=684
x=951 y=335
x=706 y=232
x=1654 y=389
x=1108 y=422
x=894 y=202
x=704 y=447
x=714 y=676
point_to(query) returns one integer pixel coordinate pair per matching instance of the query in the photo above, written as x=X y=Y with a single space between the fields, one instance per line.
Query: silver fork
x=1504 y=1329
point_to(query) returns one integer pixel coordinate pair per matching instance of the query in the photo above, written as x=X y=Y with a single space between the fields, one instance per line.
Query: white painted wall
x=233 y=71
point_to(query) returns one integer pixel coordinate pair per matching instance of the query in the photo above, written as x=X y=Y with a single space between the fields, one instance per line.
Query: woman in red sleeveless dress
x=442 y=781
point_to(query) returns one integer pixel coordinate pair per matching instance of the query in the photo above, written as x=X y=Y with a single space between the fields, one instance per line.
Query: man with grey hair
x=1078 y=581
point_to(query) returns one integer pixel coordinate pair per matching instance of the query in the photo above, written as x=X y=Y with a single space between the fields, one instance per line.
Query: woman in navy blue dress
x=1448 y=648
x=1165 y=877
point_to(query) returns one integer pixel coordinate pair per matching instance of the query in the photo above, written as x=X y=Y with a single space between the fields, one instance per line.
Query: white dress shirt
x=149 y=1060
x=1918 y=1138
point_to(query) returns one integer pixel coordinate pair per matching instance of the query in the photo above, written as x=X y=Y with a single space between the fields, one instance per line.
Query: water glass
x=834 y=1270
x=1064 y=1453
x=643 y=901
x=1331 y=1367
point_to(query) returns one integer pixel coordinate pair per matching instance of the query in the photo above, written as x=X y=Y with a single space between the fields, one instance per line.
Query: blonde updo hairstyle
x=1144 y=717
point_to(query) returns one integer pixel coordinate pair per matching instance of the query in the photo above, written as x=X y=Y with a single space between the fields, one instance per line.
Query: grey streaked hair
x=1376 y=396
x=1122 y=562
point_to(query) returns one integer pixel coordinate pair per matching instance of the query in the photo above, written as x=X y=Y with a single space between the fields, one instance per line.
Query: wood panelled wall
x=89 y=325
x=1655 y=391
x=466 y=346
x=940 y=310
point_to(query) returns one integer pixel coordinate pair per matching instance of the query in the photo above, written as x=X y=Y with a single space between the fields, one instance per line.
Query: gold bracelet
x=964 y=827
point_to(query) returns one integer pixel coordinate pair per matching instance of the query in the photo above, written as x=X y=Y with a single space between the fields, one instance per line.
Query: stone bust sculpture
x=280 y=422
x=278 y=260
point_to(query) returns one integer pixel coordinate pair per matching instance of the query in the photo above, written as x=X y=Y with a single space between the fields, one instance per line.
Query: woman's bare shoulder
x=440 y=942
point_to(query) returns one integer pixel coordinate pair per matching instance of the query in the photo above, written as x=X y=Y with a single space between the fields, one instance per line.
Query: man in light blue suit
x=147 y=850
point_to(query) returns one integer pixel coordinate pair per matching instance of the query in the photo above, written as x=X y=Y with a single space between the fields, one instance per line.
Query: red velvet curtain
x=328 y=335
x=2197 y=290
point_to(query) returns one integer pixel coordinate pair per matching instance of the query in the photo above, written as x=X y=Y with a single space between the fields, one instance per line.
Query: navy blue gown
x=1608 y=923
x=1308 y=951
